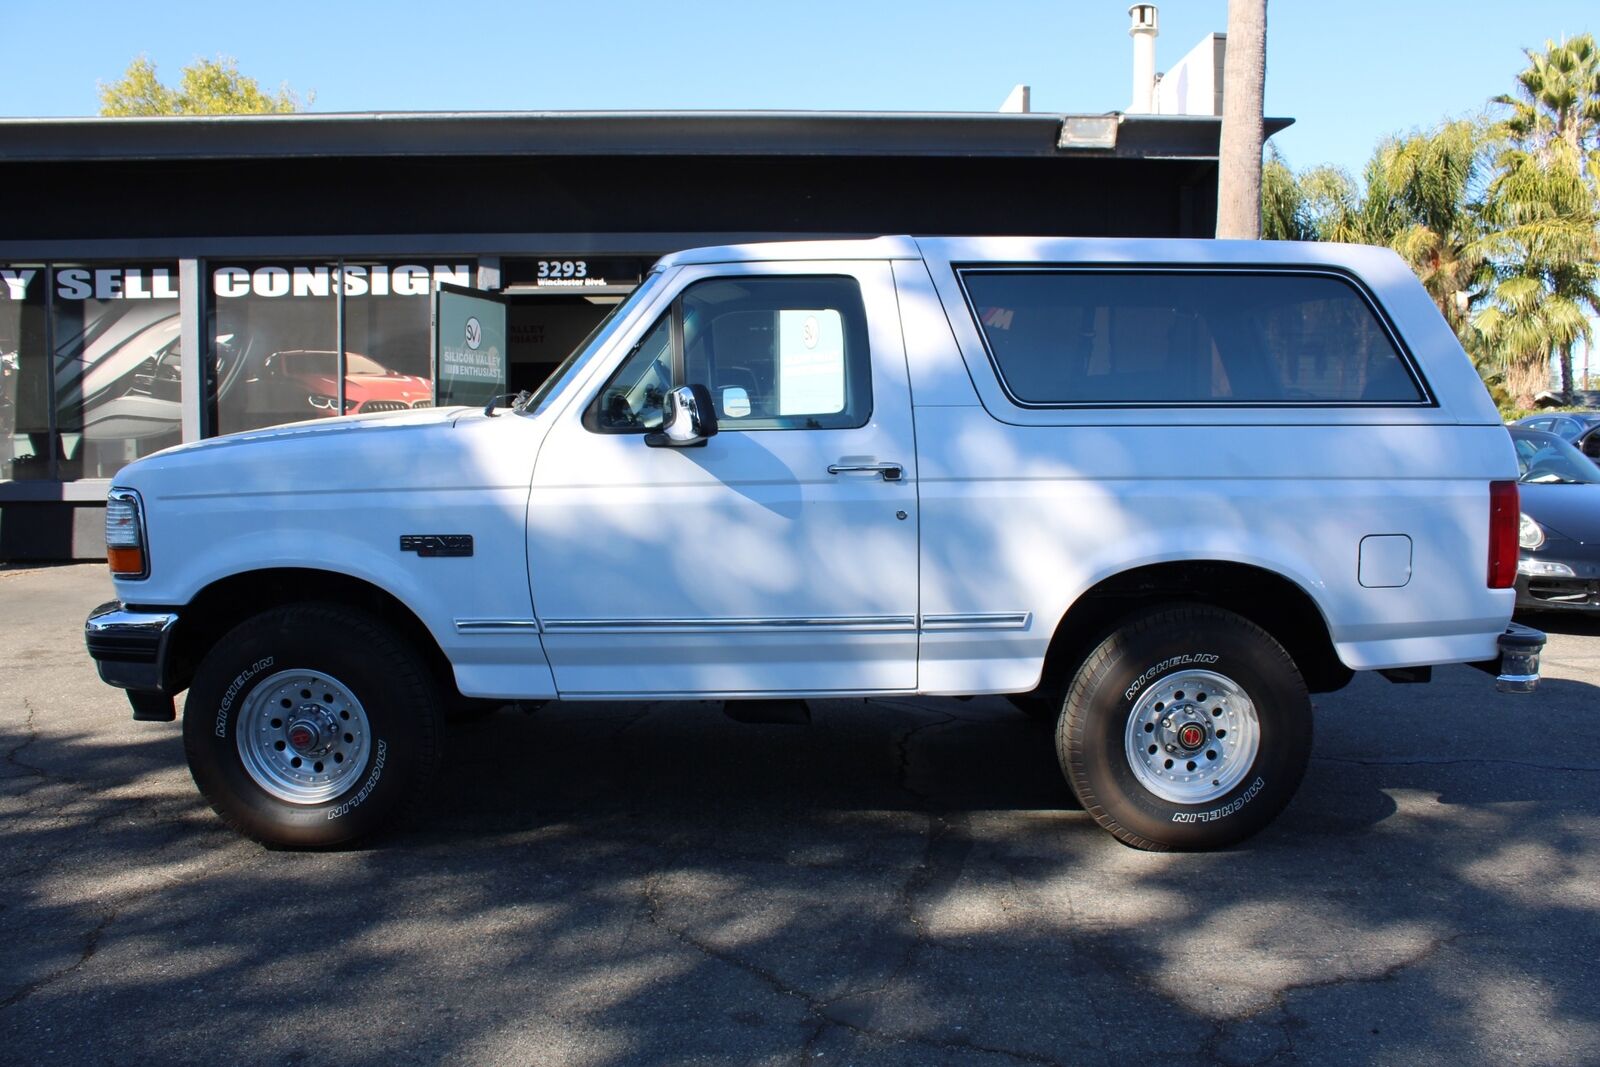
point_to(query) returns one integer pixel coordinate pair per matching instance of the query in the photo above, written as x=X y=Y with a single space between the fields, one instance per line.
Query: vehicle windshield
x=1546 y=459
x=597 y=337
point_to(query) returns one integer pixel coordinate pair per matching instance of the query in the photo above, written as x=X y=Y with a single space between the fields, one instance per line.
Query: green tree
x=1544 y=211
x=1286 y=213
x=207 y=87
x=1419 y=195
x=1424 y=200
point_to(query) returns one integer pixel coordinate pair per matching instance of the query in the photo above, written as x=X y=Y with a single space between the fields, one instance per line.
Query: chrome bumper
x=130 y=647
x=1517 y=669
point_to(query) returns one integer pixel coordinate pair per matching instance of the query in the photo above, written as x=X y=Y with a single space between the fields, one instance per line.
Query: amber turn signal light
x=128 y=562
x=125 y=548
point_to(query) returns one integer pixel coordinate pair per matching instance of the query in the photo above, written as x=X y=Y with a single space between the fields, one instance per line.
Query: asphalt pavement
x=901 y=882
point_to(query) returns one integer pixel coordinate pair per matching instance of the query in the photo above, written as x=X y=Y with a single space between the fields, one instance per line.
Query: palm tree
x=1423 y=200
x=1558 y=101
x=1544 y=203
x=1419 y=195
x=1524 y=321
x=1286 y=213
x=1239 y=170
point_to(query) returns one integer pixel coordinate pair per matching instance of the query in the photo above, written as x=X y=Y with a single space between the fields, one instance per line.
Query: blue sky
x=1349 y=71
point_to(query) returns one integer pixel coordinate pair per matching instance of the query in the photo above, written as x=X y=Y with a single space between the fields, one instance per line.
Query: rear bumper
x=1517 y=668
x=130 y=648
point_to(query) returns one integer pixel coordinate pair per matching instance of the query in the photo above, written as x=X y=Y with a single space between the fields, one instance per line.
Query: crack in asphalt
x=1221 y=1028
x=902 y=749
x=1454 y=761
x=90 y=945
x=944 y=858
x=817 y=1009
x=32 y=734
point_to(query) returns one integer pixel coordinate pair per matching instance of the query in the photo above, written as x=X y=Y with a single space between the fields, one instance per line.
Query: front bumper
x=1539 y=593
x=132 y=650
x=1517 y=668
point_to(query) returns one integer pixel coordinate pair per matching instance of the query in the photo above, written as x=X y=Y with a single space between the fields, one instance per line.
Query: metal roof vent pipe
x=1144 y=32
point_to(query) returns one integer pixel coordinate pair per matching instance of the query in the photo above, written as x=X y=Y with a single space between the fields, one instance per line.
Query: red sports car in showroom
x=313 y=376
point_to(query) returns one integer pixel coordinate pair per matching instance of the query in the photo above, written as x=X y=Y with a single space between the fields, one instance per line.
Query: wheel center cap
x=307 y=733
x=302 y=736
x=1191 y=735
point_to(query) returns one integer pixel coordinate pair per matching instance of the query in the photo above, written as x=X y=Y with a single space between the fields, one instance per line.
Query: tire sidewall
x=236 y=667
x=1225 y=645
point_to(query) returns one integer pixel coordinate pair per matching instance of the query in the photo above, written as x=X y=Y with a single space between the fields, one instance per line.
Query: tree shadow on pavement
x=902 y=882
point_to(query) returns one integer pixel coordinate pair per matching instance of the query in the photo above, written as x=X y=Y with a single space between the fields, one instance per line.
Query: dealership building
x=167 y=280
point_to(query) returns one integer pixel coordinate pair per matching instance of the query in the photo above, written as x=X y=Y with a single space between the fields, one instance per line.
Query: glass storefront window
x=386 y=319
x=118 y=373
x=275 y=343
x=275 y=330
x=24 y=374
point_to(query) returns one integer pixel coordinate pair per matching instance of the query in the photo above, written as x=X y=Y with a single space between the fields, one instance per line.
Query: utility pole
x=1239 y=157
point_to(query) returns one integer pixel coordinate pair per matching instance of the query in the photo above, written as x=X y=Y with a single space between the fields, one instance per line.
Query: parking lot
x=904 y=881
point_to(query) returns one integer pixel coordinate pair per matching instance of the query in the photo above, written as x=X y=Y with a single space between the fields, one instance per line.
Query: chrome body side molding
x=1002 y=620
x=852 y=623
x=474 y=627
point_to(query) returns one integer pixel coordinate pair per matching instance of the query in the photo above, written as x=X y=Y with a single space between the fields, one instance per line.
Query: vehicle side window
x=632 y=400
x=776 y=353
x=779 y=353
x=1060 y=336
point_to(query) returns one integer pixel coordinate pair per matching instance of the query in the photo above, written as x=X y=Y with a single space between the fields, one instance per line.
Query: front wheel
x=1187 y=728
x=311 y=726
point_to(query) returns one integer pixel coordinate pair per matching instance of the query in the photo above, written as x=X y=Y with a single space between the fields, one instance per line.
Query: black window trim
x=1407 y=360
x=674 y=312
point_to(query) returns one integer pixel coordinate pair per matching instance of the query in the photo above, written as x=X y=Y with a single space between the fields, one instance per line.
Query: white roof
x=1108 y=251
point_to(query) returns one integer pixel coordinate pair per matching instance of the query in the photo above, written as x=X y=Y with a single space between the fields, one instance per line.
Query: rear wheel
x=311 y=726
x=1187 y=728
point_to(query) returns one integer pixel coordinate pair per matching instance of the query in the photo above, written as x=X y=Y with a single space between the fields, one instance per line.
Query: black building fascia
x=497 y=183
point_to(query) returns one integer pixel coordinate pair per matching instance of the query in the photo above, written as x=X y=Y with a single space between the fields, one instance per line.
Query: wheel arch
x=1276 y=603
x=224 y=603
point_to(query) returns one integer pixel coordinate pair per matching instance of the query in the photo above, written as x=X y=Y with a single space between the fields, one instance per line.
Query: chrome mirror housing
x=688 y=418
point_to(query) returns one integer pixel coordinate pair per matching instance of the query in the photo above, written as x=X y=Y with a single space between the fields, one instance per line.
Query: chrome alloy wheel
x=1192 y=737
x=303 y=736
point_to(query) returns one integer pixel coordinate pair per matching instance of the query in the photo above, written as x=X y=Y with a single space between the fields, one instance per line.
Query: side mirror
x=687 y=419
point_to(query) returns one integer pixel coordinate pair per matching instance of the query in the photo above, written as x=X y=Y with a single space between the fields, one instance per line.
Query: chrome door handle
x=892 y=472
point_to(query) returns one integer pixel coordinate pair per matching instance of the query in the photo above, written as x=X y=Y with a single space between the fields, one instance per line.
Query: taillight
x=125 y=547
x=1504 y=519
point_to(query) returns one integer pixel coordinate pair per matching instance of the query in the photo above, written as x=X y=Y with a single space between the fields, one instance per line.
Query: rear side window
x=1186 y=337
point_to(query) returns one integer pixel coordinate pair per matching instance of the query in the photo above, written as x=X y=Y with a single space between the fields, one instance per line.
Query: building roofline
x=606 y=133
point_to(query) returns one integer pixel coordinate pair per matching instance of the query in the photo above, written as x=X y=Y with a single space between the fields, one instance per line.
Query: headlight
x=323 y=402
x=125 y=547
x=1544 y=568
x=1530 y=534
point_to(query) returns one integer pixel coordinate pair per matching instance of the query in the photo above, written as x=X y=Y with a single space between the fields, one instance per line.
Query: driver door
x=742 y=566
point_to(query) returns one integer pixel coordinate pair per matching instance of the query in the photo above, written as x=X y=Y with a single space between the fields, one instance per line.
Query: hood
x=442 y=450
x=1573 y=511
x=319 y=429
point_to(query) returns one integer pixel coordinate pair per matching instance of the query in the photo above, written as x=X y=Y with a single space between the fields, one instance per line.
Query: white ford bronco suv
x=1157 y=491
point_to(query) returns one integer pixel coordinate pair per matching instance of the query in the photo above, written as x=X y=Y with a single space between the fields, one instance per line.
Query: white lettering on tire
x=366 y=790
x=1223 y=812
x=1166 y=665
x=225 y=707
